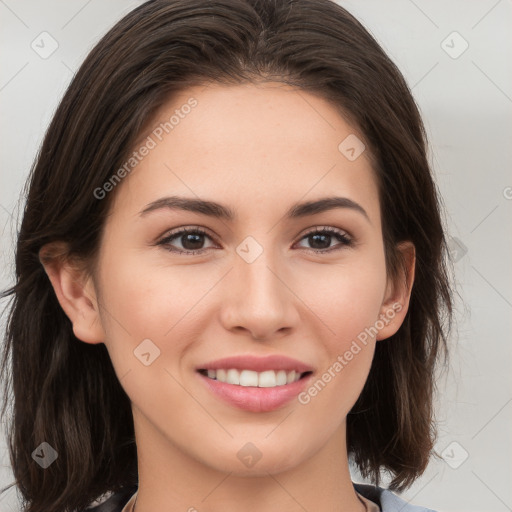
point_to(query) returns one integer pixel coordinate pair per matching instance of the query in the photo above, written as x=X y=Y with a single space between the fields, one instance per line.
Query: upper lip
x=257 y=364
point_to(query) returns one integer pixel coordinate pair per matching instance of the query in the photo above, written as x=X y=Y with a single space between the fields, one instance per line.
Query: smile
x=250 y=378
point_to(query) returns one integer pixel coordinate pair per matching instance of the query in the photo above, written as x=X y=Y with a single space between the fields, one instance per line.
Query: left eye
x=327 y=233
x=191 y=240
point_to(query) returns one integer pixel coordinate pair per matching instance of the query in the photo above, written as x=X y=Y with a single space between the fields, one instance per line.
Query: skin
x=257 y=149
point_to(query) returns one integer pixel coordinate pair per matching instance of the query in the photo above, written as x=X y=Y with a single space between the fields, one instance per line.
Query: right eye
x=190 y=239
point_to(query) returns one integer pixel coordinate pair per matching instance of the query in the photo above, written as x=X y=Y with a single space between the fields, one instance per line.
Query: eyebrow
x=219 y=211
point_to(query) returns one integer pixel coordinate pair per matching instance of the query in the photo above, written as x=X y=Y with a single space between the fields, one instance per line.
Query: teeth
x=266 y=379
x=247 y=378
x=291 y=377
x=281 y=378
x=233 y=377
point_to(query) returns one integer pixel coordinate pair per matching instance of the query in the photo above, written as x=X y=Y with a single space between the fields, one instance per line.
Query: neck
x=168 y=476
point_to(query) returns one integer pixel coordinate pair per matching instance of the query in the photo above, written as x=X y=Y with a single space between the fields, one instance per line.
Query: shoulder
x=112 y=501
x=387 y=500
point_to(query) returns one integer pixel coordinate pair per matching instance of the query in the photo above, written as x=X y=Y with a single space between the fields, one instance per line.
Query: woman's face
x=255 y=289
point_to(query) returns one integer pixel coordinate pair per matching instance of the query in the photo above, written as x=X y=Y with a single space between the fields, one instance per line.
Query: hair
x=65 y=392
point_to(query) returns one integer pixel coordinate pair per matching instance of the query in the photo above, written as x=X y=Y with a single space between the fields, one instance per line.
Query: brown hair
x=66 y=392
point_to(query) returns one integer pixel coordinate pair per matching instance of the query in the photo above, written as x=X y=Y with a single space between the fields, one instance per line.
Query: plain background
x=465 y=95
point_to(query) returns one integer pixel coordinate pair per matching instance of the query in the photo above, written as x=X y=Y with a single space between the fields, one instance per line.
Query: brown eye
x=321 y=239
x=191 y=240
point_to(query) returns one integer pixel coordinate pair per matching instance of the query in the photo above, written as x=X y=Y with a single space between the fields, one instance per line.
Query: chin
x=250 y=461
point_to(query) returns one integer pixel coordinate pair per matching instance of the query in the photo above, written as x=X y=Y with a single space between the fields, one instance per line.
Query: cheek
x=142 y=301
x=348 y=354
x=347 y=296
x=149 y=318
x=348 y=303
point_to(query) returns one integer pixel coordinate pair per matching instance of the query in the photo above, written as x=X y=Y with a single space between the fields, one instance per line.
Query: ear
x=398 y=293
x=75 y=292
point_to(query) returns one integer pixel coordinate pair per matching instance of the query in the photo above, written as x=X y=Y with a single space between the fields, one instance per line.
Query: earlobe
x=75 y=292
x=398 y=294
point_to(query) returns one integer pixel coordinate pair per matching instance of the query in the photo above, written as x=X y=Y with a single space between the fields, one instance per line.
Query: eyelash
x=344 y=239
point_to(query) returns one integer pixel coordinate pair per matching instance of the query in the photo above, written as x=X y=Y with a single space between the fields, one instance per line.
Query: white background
x=467 y=105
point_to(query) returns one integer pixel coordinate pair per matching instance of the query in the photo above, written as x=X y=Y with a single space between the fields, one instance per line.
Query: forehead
x=252 y=145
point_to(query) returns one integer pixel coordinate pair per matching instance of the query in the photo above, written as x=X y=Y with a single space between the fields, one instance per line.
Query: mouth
x=251 y=378
x=254 y=391
x=255 y=383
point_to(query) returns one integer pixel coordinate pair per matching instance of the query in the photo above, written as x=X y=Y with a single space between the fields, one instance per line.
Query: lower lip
x=255 y=399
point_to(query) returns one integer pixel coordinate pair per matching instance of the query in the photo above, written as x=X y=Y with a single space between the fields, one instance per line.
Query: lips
x=256 y=384
x=257 y=364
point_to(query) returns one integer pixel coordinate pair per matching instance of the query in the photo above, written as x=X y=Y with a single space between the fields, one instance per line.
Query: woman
x=230 y=274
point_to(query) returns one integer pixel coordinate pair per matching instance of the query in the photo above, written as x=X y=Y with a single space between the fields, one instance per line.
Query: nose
x=258 y=300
